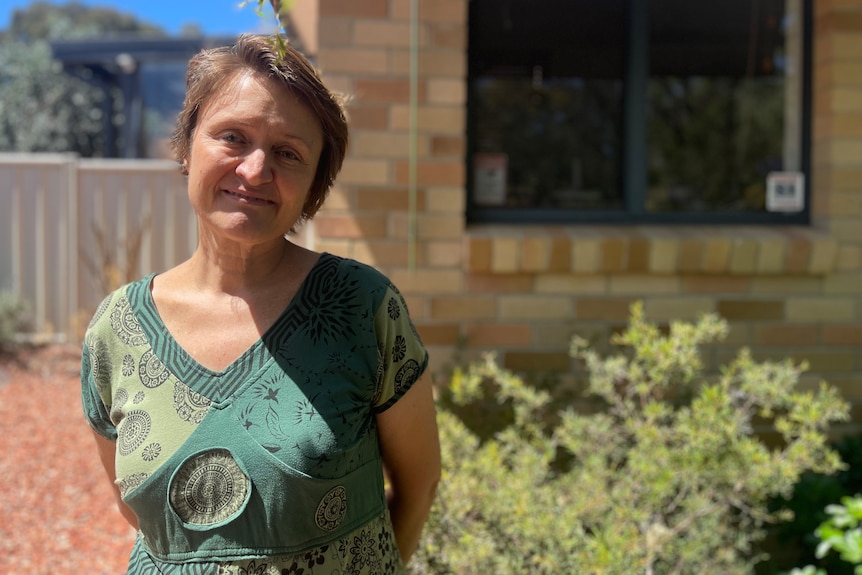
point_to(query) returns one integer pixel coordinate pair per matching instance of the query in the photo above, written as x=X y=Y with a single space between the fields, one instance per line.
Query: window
x=637 y=110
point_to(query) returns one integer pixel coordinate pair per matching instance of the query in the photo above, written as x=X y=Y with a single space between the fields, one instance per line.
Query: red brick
x=479 y=252
x=432 y=173
x=439 y=334
x=447 y=146
x=354 y=8
x=368 y=117
x=385 y=90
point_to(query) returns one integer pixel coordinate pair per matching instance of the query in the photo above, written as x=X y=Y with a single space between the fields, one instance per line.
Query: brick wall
x=524 y=291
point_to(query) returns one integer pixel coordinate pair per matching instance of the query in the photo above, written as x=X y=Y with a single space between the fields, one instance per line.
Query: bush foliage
x=841 y=533
x=666 y=476
x=14 y=316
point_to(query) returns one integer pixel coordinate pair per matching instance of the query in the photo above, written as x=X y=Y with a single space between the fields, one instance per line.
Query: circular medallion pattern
x=125 y=324
x=132 y=481
x=133 y=431
x=100 y=364
x=332 y=509
x=100 y=311
x=151 y=370
x=189 y=405
x=209 y=488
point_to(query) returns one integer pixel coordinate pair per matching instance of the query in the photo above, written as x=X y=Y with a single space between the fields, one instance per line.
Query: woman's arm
x=107 y=450
x=410 y=445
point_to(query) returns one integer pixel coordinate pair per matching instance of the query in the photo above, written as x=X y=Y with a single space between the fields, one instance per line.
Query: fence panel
x=72 y=229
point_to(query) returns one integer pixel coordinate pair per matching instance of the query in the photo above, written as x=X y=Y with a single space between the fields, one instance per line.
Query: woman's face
x=252 y=160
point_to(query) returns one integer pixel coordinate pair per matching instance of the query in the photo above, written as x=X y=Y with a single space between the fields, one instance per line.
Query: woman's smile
x=250 y=200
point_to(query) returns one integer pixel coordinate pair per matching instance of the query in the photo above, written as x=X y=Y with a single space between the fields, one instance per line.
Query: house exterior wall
x=519 y=291
x=524 y=291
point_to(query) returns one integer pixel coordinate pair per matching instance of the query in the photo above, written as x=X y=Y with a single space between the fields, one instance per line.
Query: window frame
x=634 y=157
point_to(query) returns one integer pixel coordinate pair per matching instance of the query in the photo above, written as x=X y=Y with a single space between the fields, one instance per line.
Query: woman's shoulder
x=119 y=297
x=358 y=271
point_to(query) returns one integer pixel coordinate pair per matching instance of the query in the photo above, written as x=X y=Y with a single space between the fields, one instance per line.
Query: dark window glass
x=639 y=110
x=719 y=100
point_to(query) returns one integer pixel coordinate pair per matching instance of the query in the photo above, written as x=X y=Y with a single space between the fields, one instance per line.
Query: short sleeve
x=403 y=358
x=96 y=409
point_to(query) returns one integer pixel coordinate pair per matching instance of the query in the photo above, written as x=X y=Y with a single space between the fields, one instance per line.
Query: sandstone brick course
x=353 y=60
x=494 y=283
x=571 y=284
x=444 y=199
x=350 y=226
x=823 y=309
x=715 y=284
x=381 y=33
x=643 y=285
x=516 y=307
x=381 y=253
x=428 y=281
x=444 y=253
x=603 y=309
x=535 y=254
x=786 y=335
x=678 y=308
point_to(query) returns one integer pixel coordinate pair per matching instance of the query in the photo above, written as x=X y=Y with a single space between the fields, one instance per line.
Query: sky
x=215 y=17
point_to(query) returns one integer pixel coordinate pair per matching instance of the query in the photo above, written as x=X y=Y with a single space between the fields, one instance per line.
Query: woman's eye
x=231 y=137
x=288 y=155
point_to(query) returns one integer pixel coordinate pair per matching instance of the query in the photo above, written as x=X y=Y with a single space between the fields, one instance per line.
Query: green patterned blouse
x=271 y=466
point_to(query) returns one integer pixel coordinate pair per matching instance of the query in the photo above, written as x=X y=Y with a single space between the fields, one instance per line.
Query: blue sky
x=215 y=17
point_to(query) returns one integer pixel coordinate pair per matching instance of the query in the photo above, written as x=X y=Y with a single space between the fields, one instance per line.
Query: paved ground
x=57 y=513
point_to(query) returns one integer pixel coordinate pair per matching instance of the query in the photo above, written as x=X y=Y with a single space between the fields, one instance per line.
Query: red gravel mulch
x=57 y=512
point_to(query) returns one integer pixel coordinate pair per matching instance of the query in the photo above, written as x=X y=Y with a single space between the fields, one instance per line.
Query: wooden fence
x=72 y=228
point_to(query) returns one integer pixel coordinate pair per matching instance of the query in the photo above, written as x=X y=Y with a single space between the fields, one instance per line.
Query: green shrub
x=666 y=476
x=811 y=495
x=840 y=533
x=13 y=318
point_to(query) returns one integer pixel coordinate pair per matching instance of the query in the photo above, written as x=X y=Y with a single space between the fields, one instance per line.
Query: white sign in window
x=785 y=192
x=489 y=177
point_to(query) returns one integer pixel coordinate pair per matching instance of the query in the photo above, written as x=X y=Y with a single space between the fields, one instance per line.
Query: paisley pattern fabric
x=271 y=465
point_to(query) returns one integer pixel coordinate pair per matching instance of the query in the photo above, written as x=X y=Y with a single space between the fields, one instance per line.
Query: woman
x=247 y=402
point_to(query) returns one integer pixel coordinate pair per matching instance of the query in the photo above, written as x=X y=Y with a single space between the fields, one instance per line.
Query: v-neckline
x=193 y=373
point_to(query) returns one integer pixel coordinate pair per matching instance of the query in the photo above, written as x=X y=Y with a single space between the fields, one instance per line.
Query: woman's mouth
x=242 y=198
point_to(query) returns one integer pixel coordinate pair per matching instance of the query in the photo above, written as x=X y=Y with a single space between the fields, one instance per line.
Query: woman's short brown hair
x=259 y=54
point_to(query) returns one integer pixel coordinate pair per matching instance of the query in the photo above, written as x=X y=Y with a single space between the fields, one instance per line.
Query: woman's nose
x=255 y=168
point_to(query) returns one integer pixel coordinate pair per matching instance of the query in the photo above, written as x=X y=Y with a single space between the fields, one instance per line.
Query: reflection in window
x=720 y=75
x=640 y=110
x=557 y=141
